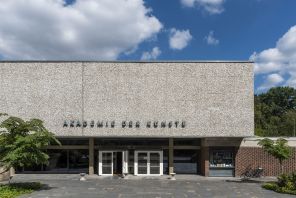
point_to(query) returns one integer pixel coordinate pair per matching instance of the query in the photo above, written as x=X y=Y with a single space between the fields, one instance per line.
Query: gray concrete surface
x=154 y=187
x=213 y=98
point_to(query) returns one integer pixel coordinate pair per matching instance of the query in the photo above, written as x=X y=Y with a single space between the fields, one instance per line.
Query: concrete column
x=91 y=156
x=171 y=155
x=205 y=156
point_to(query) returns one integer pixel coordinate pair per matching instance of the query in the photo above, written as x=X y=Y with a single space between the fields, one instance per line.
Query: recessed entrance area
x=132 y=156
x=112 y=162
x=117 y=163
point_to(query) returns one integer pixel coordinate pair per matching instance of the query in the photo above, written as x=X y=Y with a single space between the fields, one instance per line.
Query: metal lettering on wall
x=124 y=124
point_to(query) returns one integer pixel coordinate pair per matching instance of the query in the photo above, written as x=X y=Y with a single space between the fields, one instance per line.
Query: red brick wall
x=256 y=157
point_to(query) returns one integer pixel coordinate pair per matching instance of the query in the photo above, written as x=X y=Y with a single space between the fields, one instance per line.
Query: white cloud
x=155 y=52
x=86 y=29
x=271 y=81
x=210 y=6
x=279 y=60
x=211 y=40
x=179 y=39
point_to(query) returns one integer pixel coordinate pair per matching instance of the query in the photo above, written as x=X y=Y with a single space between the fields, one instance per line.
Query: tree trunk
x=282 y=167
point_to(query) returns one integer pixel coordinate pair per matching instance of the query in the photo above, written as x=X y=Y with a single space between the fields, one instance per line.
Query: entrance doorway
x=117 y=163
x=112 y=162
x=148 y=162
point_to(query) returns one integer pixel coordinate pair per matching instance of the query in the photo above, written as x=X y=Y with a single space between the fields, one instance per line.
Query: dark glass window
x=57 y=160
x=185 y=161
x=221 y=162
x=33 y=168
x=131 y=161
x=221 y=158
x=78 y=159
x=73 y=141
x=108 y=142
x=165 y=161
x=186 y=142
x=63 y=161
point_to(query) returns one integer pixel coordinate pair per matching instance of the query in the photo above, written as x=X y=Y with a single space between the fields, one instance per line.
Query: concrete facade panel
x=48 y=91
x=213 y=98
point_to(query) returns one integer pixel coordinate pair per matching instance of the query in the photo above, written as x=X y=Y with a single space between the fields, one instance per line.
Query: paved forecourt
x=67 y=186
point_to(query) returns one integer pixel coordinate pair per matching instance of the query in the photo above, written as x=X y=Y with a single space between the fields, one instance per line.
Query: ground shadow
x=245 y=181
x=29 y=185
x=46 y=187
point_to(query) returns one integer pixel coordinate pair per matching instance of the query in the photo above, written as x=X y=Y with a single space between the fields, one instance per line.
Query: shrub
x=15 y=189
x=293 y=179
x=289 y=186
x=286 y=184
x=283 y=180
x=270 y=186
x=287 y=180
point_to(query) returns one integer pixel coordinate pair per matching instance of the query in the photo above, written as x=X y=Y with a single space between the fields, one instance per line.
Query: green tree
x=279 y=149
x=22 y=142
x=275 y=112
x=288 y=123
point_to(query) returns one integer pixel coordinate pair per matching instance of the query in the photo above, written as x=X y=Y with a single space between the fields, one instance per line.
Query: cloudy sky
x=263 y=31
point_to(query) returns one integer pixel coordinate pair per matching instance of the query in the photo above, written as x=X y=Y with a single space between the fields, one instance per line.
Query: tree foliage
x=279 y=149
x=275 y=112
x=22 y=142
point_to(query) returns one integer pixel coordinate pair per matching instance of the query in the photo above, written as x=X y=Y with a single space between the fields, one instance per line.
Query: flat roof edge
x=126 y=61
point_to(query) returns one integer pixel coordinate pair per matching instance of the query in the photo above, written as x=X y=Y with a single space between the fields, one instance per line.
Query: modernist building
x=141 y=118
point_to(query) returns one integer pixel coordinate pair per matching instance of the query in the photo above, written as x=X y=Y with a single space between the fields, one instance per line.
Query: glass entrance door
x=154 y=163
x=143 y=163
x=107 y=162
x=113 y=162
x=148 y=162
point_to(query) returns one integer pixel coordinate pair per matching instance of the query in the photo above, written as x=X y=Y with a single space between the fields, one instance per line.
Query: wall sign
x=124 y=124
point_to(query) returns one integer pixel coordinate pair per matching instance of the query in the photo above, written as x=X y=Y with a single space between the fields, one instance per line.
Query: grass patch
x=16 y=189
x=274 y=186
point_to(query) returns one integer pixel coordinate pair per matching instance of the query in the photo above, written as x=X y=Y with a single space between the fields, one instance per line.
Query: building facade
x=141 y=118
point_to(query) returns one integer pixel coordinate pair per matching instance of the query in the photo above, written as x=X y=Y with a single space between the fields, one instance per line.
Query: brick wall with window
x=253 y=157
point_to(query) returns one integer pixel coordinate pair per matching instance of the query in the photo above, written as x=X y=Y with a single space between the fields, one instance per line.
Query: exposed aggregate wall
x=214 y=99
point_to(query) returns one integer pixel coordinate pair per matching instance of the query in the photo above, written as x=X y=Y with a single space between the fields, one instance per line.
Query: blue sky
x=156 y=30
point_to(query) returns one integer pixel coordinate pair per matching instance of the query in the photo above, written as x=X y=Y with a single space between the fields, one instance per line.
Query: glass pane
x=34 y=168
x=67 y=141
x=106 y=170
x=165 y=161
x=154 y=163
x=154 y=159
x=142 y=170
x=107 y=163
x=142 y=163
x=186 y=142
x=221 y=158
x=124 y=142
x=131 y=162
x=185 y=161
x=154 y=170
x=57 y=160
x=78 y=159
x=106 y=158
x=142 y=159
